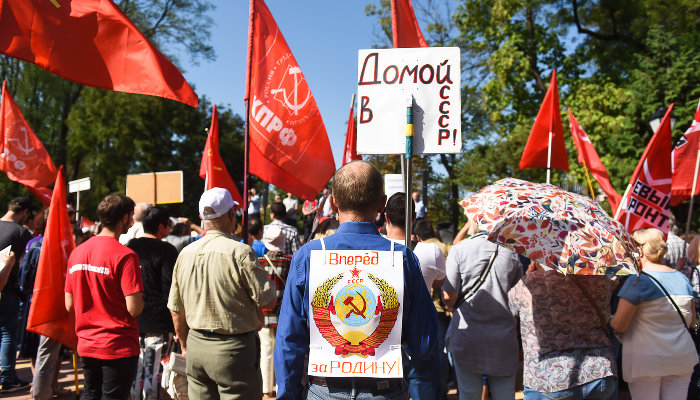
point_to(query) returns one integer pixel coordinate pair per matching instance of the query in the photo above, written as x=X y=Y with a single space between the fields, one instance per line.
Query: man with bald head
x=357 y=197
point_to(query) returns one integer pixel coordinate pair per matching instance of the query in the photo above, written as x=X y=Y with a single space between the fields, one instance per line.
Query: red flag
x=589 y=157
x=47 y=314
x=212 y=168
x=86 y=222
x=89 y=42
x=22 y=156
x=649 y=192
x=404 y=26
x=289 y=146
x=43 y=194
x=350 y=153
x=548 y=120
x=683 y=162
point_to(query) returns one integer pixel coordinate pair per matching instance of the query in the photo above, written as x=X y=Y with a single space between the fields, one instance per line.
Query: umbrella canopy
x=563 y=230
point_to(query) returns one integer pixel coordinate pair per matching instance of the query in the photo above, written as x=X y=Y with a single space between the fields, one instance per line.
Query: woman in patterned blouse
x=566 y=350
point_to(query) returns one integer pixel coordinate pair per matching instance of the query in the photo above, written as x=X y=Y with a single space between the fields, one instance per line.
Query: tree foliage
x=616 y=62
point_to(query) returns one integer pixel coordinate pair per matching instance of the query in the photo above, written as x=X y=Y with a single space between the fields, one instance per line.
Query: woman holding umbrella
x=652 y=317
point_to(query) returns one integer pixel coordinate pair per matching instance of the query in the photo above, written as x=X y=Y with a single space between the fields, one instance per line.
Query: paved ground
x=66 y=379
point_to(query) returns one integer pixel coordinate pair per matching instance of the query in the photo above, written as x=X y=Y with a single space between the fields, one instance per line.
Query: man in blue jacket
x=357 y=198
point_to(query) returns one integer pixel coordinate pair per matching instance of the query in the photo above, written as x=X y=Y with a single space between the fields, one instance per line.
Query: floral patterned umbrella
x=562 y=230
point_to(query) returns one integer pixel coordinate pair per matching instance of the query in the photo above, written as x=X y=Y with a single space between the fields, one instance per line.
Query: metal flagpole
x=692 y=197
x=549 y=156
x=409 y=180
x=246 y=134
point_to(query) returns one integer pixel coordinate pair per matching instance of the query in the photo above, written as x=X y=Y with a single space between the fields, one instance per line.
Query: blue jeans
x=316 y=392
x=9 y=306
x=423 y=377
x=599 y=389
x=470 y=385
x=443 y=324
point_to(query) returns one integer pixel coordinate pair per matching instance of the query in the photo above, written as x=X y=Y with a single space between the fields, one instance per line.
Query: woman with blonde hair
x=652 y=317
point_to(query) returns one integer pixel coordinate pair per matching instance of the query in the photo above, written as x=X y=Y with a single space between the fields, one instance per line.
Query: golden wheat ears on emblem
x=323 y=292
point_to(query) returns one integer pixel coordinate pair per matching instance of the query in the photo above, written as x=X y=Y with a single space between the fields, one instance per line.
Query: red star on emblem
x=355 y=272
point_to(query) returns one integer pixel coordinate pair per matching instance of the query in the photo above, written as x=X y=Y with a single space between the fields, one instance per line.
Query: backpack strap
x=471 y=291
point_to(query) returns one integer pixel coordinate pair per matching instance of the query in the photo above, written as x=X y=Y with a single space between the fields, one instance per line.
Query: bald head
x=358 y=187
x=139 y=210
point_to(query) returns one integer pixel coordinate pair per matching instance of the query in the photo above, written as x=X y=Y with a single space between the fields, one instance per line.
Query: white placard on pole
x=393 y=183
x=79 y=185
x=386 y=78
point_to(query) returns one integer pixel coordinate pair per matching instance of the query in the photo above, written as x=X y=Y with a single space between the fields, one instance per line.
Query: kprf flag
x=649 y=195
x=350 y=153
x=47 y=314
x=548 y=120
x=212 y=168
x=589 y=157
x=22 y=156
x=683 y=160
x=89 y=42
x=404 y=26
x=289 y=146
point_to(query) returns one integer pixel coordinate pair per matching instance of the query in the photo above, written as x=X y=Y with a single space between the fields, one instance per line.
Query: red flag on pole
x=47 y=314
x=212 y=168
x=89 y=42
x=404 y=26
x=289 y=146
x=589 y=157
x=684 y=162
x=537 y=149
x=648 y=196
x=350 y=152
x=22 y=156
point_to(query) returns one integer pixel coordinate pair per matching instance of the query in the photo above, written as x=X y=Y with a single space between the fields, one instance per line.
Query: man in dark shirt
x=19 y=211
x=157 y=259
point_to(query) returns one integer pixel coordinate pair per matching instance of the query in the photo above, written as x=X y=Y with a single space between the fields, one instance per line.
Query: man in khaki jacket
x=215 y=298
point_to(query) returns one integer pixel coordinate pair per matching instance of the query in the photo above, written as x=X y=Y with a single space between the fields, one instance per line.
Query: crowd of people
x=476 y=316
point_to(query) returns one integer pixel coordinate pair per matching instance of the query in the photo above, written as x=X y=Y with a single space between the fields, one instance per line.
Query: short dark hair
x=358 y=186
x=153 y=218
x=19 y=204
x=113 y=208
x=396 y=209
x=279 y=210
x=254 y=226
x=424 y=229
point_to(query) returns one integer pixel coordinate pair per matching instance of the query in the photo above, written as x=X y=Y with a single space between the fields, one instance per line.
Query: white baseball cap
x=215 y=202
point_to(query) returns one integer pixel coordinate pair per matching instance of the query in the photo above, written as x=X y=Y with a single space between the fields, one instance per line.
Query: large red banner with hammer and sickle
x=289 y=145
x=22 y=155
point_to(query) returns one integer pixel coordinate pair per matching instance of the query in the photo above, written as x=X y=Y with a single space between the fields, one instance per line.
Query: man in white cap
x=215 y=298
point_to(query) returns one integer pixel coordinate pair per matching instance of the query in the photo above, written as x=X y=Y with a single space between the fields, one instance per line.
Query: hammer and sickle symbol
x=348 y=302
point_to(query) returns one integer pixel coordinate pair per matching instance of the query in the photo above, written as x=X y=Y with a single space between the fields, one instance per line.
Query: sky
x=324 y=36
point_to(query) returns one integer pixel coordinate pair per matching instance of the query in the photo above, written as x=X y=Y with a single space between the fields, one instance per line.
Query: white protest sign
x=393 y=183
x=387 y=78
x=356 y=309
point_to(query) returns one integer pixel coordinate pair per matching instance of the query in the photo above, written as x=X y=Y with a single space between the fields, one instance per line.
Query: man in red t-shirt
x=104 y=287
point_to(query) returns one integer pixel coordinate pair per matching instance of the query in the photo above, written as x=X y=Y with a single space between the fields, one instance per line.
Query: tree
x=616 y=63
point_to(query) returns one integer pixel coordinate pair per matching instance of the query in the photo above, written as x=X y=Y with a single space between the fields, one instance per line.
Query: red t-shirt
x=101 y=272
